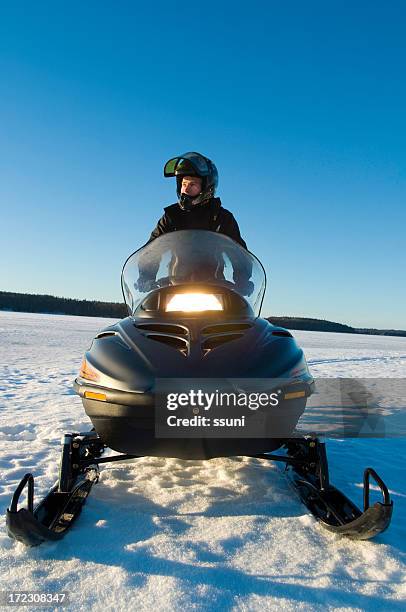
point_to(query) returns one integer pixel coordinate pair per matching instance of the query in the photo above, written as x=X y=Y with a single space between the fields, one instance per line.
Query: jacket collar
x=214 y=204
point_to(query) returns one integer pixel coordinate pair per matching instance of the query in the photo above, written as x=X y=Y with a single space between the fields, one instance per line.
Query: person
x=196 y=208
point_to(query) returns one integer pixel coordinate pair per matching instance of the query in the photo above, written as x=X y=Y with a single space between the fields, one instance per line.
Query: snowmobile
x=194 y=299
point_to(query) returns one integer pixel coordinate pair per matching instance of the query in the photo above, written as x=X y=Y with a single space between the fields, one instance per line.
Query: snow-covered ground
x=224 y=534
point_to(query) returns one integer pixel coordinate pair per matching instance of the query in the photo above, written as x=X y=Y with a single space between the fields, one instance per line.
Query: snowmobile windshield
x=198 y=162
x=193 y=258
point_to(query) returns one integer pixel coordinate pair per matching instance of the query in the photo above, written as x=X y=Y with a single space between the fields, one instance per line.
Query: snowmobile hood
x=131 y=354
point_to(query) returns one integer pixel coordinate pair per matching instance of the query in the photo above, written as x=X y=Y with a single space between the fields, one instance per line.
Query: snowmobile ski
x=58 y=510
x=307 y=469
x=306 y=466
x=53 y=516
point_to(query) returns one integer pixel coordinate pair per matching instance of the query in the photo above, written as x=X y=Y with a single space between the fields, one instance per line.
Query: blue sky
x=300 y=104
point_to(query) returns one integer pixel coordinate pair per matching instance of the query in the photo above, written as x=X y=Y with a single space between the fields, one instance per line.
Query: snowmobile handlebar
x=147 y=285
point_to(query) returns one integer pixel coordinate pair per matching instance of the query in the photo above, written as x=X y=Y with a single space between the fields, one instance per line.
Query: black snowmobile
x=194 y=299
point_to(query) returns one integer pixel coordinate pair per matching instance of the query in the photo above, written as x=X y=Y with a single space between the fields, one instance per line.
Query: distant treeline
x=48 y=304
x=330 y=326
x=26 y=302
x=312 y=324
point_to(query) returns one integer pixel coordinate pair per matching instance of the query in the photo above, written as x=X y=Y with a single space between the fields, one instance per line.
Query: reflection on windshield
x=193 y=256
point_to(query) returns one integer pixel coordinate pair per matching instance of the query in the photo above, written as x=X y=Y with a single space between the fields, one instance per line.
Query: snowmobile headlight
x=86 y=371
x=194 y=302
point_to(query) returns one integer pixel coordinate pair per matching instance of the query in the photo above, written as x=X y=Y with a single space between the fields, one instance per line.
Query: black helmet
x=193 y=164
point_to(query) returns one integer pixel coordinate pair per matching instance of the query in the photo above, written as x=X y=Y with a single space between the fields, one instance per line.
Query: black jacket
x=211 y=216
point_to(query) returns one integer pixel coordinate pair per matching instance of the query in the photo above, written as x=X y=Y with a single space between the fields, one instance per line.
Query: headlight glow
x=194 y=302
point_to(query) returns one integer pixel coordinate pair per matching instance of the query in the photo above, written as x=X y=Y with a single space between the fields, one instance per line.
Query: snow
x=166 y=534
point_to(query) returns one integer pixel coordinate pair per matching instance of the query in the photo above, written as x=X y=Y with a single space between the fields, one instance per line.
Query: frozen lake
x=224 y=534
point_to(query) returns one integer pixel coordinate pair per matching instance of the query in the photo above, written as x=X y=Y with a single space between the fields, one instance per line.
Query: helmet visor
x=198 y=162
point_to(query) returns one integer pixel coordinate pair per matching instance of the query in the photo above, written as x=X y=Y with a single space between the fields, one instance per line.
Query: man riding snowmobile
x=197 y=208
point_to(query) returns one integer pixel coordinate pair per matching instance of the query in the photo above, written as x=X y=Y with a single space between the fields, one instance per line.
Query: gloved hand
x=245 y=287
x=145 y=284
